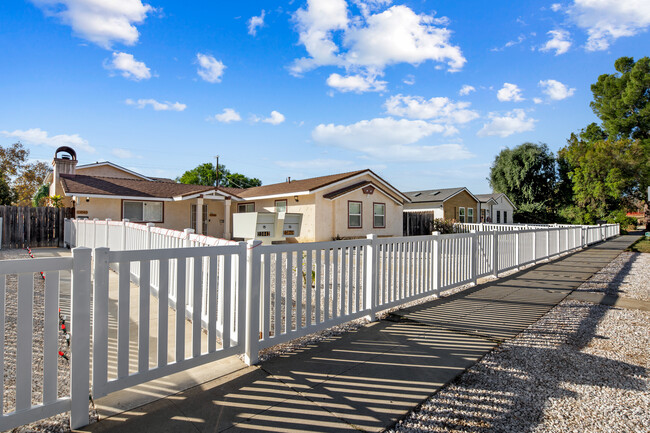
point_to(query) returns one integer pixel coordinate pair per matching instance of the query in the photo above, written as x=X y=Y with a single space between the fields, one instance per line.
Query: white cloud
x=466 y=90
x=556 y=7
x=368 y=43
x=514 y=121
x=124 y=153
x=256 y=22
x=210 y=69
x=438 y=109
x=390 y=139
x=556 y=90
x=229 y=115
x=509 y=92
x=356 y=83
x=560 y=42
x=100 y=22
x=38 y=137
x=128 y=67
x=608 y=20
x=157 y=106
x=509 y=44
x=537 y=100
x=409 y=80
x=274 y=119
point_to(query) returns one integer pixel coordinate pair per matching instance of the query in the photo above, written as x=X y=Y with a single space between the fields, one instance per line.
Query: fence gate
x=25 y=226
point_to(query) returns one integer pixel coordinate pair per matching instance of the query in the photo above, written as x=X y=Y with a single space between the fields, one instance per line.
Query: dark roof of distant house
x=162 y=179
x=484 y=198
x=434 y=195
x=119 y=187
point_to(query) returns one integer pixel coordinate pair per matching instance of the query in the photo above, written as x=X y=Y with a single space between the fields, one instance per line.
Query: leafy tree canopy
x=6 y=193
x=607 y=176
x=205 y=174
x=23 y=178
x=622 y=100
x=527 y=175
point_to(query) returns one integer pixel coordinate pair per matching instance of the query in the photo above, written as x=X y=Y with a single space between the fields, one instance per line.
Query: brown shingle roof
x=297 y=185
x=119 y=187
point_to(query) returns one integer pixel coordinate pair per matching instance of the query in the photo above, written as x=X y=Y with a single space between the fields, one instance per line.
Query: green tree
x=608 y=165
x=23 y=178
x=527 y=175
x=205 y=174
x=41 y=195
x=6 y=193
x=622 y=100
x=607 y=177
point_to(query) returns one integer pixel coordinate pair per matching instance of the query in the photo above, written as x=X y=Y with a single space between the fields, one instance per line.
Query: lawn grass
x=640 y=246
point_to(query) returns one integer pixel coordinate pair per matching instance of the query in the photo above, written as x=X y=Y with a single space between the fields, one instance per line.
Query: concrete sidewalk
x=370 y=378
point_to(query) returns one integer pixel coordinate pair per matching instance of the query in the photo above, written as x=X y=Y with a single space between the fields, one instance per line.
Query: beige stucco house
x=105 y=190
x=346 y=205
x=457 y=204
x=496 y=208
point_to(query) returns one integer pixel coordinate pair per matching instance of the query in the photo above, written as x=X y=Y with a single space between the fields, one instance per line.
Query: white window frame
x=505 y=217
x=498 y=217
x=461 y=214
x=144 y=203
x=470 y=215
x=285 y=205
x=360 y=215
x=246 y=207
x=375 y=215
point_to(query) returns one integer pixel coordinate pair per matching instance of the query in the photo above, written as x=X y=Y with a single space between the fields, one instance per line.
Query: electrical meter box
x=291 y=224
x=266 y=226
x=254 y=225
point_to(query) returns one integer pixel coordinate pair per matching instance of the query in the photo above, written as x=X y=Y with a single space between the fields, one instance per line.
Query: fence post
x=80 y=337
x=123 y=242
x=95 y=232
x=558 y=241
x=495 y=253
x=370 y=286
x=106 y=232
x=437 y=260
x=534 y=246
x=100 y=321
x=148 y=240
x=252 y=331
x=474 y=256
x=186 y=239
x=517 y=260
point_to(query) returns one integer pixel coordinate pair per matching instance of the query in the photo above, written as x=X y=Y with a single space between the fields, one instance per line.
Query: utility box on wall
x=266 y=226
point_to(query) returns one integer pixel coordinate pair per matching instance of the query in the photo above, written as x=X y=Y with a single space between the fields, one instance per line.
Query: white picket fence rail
x=240 y=297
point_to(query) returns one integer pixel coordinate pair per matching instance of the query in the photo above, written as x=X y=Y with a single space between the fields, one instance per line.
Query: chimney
x=63 y=164
x=289 y=179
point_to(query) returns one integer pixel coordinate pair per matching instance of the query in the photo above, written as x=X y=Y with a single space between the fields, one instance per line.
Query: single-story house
x=457 y=204
x=496 y=208
x=346 y=205
x=105 y=190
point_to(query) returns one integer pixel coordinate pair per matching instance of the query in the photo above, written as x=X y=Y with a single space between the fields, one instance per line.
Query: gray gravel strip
x=582 y=367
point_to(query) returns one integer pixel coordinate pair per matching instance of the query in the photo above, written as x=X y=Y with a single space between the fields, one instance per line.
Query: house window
x=461 y=214
x=246 y=207
x=354 y=214
x=143 y=211
x=470 y=214
x=505 y=217
x=379 y=215
x=280 y=205
x=498 y=217
x=204 y=211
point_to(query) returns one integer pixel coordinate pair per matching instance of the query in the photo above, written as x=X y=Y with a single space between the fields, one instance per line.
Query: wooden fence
x=24 y=227
x=418 y=223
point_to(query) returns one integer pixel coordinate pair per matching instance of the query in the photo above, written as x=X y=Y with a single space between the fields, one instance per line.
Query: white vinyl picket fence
x=239 y=297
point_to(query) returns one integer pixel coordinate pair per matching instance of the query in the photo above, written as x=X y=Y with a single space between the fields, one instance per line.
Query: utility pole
x=217 y=158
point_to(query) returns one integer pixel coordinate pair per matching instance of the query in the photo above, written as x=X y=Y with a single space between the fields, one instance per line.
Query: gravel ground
x=581 y=368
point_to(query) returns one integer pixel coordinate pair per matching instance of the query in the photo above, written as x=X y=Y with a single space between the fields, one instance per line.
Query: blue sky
x=424 y=93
